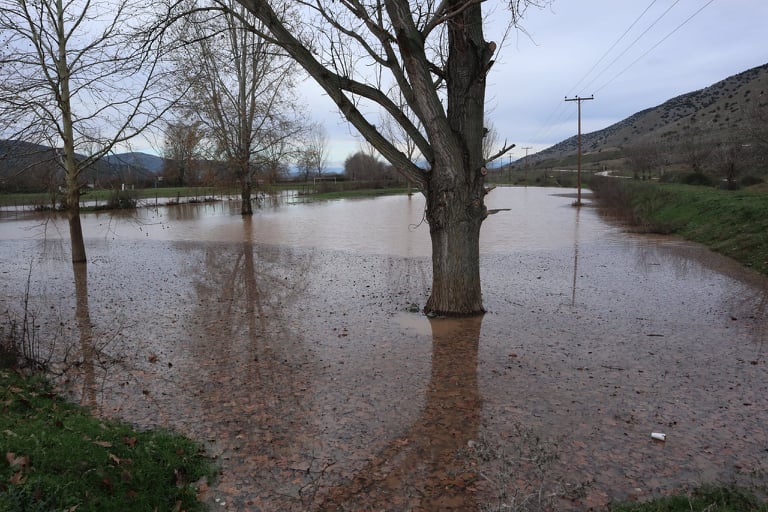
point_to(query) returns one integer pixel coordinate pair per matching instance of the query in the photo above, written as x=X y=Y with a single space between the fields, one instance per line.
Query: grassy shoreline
x=57 y=456
x=733 y=223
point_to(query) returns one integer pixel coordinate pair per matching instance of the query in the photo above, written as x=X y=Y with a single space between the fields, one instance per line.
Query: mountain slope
x=716 y=113
x=31 y=167
x=151 y=163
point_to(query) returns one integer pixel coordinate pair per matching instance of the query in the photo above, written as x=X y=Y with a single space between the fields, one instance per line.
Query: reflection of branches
x=244 y=291
x=420 y=468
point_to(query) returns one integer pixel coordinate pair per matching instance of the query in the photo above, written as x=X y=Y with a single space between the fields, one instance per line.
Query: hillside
x=150 y=163
x=31 y=167
x=719 y=112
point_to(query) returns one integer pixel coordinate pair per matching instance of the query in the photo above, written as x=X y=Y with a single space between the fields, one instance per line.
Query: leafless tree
x=435 y=55
x=728 y=159
x=397 y=134
x=313 y=157
x=182 y=150
x=643 y=159
x=756 y=135
x=76 y=74
x=242 y=89
x=694 y=151
x=490 y=140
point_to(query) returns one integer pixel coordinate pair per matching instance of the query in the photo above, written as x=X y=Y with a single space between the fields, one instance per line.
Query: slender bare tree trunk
x=68 y=158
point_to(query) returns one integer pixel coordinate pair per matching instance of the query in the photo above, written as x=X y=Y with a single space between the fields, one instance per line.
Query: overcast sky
x=629 y=54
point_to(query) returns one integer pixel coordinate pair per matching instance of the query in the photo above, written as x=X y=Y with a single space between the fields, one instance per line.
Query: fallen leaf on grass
x=17 y=478
x=14 y=460
x=103 y=444
x=130 y=441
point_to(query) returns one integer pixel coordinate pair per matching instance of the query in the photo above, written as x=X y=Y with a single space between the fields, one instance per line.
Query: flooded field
x=285 y=343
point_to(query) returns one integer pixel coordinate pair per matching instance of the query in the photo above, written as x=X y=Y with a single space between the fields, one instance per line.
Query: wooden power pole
x=526 y=164
x=578 y=175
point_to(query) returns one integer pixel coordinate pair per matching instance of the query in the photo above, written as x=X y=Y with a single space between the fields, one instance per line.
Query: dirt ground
x=306 y=376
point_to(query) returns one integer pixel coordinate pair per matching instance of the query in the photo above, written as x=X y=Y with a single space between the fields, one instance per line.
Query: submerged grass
x=56 y=456
x=349 y=194
x=704 y=499
x=733 y=223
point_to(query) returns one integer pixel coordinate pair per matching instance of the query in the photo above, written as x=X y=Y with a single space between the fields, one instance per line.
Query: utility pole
x=578 y=176
x=526 y=164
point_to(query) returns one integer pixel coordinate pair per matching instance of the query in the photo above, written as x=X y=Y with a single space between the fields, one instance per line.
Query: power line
x=654 y=46
x=653 y=24
x=609 y=50
x=558 y=114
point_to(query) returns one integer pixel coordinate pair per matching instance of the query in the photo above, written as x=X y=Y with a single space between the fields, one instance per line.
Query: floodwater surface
x=285 y=343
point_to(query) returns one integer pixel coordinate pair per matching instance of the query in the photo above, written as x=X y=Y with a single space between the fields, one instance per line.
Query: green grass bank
x=731 y=222
x=57 y=456
x=704 y=499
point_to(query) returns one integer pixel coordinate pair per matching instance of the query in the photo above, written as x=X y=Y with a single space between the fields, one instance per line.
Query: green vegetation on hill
x=56 y=456
x=733 y=223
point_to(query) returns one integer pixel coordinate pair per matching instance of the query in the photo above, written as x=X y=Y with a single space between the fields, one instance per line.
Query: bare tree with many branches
x=313 y=157
x=241 y=89
x=435 y=56
x=75 y=75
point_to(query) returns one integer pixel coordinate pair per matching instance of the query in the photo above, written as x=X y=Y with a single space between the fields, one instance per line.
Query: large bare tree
x=74 y=74
x=241 y=89
x=433 y=55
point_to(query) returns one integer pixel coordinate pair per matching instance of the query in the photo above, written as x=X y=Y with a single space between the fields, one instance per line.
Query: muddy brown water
x=285 y=344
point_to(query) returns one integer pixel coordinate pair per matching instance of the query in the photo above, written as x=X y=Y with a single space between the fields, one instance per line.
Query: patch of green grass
x=56 y=456
x=366 y=192
x=709 y=499
x=733 y=223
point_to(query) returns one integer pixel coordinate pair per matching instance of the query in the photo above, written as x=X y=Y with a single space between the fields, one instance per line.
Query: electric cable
x=654 y=46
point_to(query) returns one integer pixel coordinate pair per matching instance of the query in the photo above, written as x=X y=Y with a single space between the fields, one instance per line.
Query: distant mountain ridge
x=150 y=163
x=717 y=112
x=26 y=166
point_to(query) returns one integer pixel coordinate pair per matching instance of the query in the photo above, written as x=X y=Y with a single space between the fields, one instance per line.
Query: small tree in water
x=77 y=76
x=241 y=90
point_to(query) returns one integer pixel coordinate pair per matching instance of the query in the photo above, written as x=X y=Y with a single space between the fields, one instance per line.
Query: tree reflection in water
x=87 y=349
x=422 y=468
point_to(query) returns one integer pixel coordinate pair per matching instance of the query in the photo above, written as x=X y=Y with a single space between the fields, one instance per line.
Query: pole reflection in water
x=421 y=468
x=575 y=255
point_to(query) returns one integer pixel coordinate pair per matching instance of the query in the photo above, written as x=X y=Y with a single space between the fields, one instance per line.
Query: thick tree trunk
x=455 y=191
x=454 y=226
x=452 y=125
x=246 y=208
